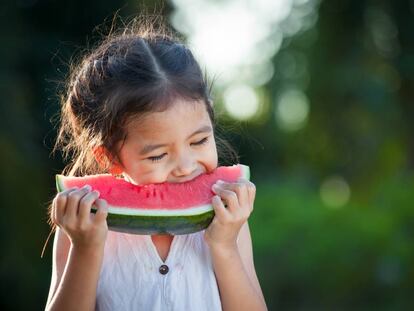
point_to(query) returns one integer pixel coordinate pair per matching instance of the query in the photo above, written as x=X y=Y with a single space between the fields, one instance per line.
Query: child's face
x=188 y=150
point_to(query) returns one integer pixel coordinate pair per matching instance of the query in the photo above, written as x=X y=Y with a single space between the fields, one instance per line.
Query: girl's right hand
x=71 y=211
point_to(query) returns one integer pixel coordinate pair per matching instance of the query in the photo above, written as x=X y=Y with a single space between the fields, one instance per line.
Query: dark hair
x=135 y=71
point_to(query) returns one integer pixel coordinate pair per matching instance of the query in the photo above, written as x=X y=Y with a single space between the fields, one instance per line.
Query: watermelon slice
x=165 y=208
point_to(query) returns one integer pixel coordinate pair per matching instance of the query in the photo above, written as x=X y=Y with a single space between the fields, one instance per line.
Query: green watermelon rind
x=174 y=225
x=125 y=220
x=245 y=172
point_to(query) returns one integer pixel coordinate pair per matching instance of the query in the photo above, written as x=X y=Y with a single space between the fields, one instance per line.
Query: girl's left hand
x=238 y=198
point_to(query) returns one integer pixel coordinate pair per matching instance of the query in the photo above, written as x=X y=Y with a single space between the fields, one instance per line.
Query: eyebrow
x=148 y=148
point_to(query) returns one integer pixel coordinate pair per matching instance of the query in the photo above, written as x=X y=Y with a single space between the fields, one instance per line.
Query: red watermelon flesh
x=161 y=208
x=118 y=192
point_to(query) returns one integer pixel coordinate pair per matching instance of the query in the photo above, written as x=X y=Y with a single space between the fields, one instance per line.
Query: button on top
x=164 y=269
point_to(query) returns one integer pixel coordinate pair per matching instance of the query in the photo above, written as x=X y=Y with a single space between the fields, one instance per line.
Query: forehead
x=181 y=118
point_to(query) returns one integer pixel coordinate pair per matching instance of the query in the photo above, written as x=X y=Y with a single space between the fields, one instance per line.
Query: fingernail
x=97 y=192
x=215 y=187
x=87 y=187
x=220 y=182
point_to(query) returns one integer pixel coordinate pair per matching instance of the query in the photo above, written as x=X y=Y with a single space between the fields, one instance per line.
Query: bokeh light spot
x=241 y=102
x=335 y=191
x=292 y=110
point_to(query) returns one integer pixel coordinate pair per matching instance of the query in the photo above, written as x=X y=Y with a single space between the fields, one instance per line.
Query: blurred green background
x=328 y=139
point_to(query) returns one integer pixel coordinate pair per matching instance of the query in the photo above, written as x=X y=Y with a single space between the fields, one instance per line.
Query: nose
x=185 y=166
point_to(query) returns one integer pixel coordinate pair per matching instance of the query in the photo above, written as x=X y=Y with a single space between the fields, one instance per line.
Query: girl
x=139 y=107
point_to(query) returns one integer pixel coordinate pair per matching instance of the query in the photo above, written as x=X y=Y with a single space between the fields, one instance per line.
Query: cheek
x=212 y=157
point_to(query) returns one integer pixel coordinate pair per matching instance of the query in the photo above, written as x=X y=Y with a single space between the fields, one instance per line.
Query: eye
x=201 y=142
x=157 y=158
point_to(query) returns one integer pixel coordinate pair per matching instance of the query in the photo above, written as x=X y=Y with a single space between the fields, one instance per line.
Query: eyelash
x=201 y=142
x=158 y=158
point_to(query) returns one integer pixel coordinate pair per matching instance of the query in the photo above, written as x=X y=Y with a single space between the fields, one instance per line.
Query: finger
x=219 y=208
x=85 y=205
x=251 y=189
x=240 y=188
x=67 y=191
x=229 y=198
x=72 y=204
x=59 y=205
x=102 y=212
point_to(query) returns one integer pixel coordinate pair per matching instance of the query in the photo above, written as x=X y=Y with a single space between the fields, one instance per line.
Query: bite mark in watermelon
x=165 y=208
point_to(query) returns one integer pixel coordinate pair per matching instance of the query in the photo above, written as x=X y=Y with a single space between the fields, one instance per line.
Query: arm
x=75 y=276
x=229 y=240
x=236 y=275
x=77 y=251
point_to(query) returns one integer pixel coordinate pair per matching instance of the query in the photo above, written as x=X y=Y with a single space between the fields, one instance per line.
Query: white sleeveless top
x=131 y=277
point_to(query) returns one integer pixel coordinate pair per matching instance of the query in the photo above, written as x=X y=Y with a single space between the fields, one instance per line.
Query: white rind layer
x=160 y=212
x=245 y=171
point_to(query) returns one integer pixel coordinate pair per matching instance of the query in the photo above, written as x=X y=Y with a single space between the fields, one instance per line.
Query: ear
x=103 y=157
x=100 y=156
